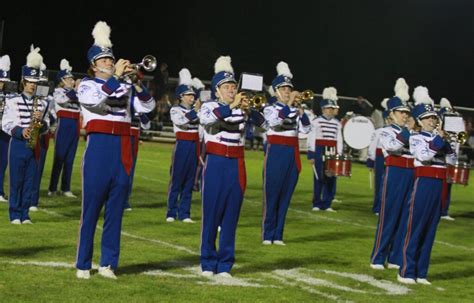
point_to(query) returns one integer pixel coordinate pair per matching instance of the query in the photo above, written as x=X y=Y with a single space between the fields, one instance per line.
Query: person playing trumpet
x=106 y=103
x=282 y=157
x=224 y=177
x=19 y=121
x=185 y=158
x=431 y=152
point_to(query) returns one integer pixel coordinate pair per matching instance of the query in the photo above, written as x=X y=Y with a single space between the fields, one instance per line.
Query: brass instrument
x=460 y=137
x=305 y=95
x=255 y=101
x=35 y=124
x=148 y=63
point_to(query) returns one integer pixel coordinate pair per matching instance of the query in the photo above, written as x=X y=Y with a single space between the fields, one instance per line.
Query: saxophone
x=35 y=124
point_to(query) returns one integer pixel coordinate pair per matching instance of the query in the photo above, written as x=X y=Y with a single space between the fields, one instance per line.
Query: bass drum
x=358 y=132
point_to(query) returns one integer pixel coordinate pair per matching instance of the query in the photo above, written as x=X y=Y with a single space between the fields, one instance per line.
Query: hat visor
x=103 y=55
x=226 y=80
x=427 y=114
x=5 y=80
x=284 y=84
x=401 y=109
x=32 y=79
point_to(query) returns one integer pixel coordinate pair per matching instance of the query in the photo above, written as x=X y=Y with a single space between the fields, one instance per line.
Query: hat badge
x=33 y=72
x=287 y=79
x=4 y=73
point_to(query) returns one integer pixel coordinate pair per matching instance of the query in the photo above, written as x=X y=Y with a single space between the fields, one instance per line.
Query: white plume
x=185 y=77
x=223 y=64
x=101 y=34
x=330 y=93
x=421 y=96
x=445 y=103
x=5 y=63
x=401 y=89
x=384 y=103
x=34 y=59
x=64 y=65
x=43 y=66
x=197 y=84
x=284 y=70
x=271 y=91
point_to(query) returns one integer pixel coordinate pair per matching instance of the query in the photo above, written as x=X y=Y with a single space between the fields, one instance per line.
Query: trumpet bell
x=258 y=101
x=307 y=95
x=148 y=63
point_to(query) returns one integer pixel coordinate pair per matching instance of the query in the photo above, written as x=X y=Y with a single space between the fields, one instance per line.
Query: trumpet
x=460 y=137
x=148 y=63
x=255 y=101
x=305 y=95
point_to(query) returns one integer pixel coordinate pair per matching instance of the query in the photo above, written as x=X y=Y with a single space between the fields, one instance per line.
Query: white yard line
x=124 y=233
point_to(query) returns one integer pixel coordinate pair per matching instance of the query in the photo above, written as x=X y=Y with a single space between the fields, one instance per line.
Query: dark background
x=360 y=47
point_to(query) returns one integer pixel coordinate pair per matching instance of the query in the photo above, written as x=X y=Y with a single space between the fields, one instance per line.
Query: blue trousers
x=4 y=143
x=379 y=168
x=182 y=173
x=323 y=184
x=222 y=194
x=445 y=209
x=134 y=142
x=280 y=176
x=104 y=183
x=423 y=219
x=40 y=168
x=64 y=153
x=396 y=189
x=23 y=168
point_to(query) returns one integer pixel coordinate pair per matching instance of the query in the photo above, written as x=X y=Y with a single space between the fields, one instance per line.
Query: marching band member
x=224 y=177
x=446 y=109
x=185 y=158
x=398 y=178
x=18 y=121
x=198 y=87
x=67 y=132
x=375 y=158
x=282 y=163
x=4 y=137
x=43 y=142
x=138 y=121
x=106 y=107
x=327 y=135
x=431 y=154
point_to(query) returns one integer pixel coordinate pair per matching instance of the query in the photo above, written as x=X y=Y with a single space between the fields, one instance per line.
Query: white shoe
x=423 y=281
x=83 y=274
x=219 y=228
x=69 y=194
x=316 y=209
x=405 y=280
x=266 y=242
x=170 y=219
x=27 y=221
x=279 y=242
x=107 y=272
x=51 y=193
x=331 y=210
x=393 y=266
x=377 y=214
x=33 y=208
x=336 y=200
x=377 y=266
x=188 y=220
x=128 y=209
x=2 y=199
x=224 y=275
x=207 y=273
x=447 y=218
x=16 y=222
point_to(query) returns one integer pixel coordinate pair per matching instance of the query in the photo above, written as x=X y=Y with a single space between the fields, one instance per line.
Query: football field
x=326 y=258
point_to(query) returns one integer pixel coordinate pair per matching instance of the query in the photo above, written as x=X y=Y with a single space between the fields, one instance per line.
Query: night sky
x=360 y=47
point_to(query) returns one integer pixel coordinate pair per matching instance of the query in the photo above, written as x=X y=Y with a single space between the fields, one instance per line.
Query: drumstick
x=370 y=179
x=315 y=172
x=202 y=161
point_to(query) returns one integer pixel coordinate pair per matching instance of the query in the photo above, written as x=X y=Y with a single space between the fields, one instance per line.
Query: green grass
x=316 y=243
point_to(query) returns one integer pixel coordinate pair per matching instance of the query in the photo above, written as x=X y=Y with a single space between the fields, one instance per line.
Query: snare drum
x=338 y=166
x=458 y=173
